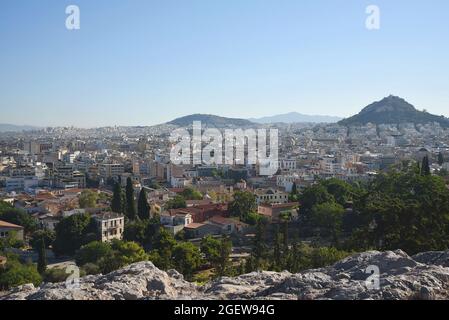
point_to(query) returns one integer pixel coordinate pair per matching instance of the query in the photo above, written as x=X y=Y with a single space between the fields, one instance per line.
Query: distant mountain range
x=4 y=127
x=295 y=117
x=393 y=110
x=217 y=121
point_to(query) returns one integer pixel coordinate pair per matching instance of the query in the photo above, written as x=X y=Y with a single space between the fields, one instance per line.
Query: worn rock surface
x=424 y=276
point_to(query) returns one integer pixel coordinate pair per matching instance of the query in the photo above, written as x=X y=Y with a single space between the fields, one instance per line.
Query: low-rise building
x=110 y=226
x=274 y=211
x=109 y=170
x=270 y=196
x=3 y=261
x=7 y=229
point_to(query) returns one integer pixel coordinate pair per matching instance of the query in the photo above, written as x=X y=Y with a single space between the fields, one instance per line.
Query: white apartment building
x=110 y=226
x=287 y=164
x=270 y=196
x=286 y=181
x=180 y=182
x=329 y=165
x=109 y=170
x=176 y=218
x=21 y=183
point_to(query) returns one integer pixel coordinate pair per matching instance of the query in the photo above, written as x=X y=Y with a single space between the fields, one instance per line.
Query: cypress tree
x=285 y=218
x=225 y=251
x=294 y=189
x=130 y=203
x=143 y=208
x=277 y=263
x=259 y=245
x=425 y=167
x=42 y=257
x=116 y=203
x=440 y=159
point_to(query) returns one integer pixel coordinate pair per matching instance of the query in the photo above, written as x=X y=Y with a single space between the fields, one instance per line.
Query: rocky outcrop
x=424 y=276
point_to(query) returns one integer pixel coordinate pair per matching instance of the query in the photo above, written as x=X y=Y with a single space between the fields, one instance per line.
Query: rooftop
x=194 y=225
x=108 y=216
x=4 y=224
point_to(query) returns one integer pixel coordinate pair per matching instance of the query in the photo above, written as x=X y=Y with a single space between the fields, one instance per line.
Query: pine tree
x=130 y=203
x=425 y=167
x=143 y=209
x=116 y=203
x=42 y=257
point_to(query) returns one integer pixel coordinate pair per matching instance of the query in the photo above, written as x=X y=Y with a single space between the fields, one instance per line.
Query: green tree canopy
x=340 y=190
x=243 y=204
x=191 y=194
x=16 y=273
x=88 y=199
x=117 y=199
x=328 y=217
x=143 y=209
x=312 y=196
x=176 y=203
x=186 y=258
x=18 y=216
x=42 y=257
x=425 y=167
x=131 y=212
x=404 y=210
x=73 y=232
x=162 y=249
x=440 y=158
x=109 y=256
x=48 y=236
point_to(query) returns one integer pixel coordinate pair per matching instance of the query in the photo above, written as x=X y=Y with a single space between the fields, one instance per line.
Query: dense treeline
x=405 y=208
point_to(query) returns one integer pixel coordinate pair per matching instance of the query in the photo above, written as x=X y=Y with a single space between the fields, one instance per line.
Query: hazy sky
x=142 y=62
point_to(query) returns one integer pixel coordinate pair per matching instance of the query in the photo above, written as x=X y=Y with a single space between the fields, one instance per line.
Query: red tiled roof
x=75 y=190
x=281 y=205
x=176 y=190
x=4 y=224
x=221 y=220
x=194 y=225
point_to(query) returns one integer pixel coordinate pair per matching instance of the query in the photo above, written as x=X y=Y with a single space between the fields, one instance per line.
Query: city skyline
x=146 y=63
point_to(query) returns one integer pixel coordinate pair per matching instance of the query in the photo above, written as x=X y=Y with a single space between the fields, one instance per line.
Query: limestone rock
x=424 y=276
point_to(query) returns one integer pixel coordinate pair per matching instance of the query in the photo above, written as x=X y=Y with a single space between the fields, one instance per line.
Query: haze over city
x=148 y=62
x=226 y=155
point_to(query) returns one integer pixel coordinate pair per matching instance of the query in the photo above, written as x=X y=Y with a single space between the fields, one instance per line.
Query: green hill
x=211 y=120
x=392 y=110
